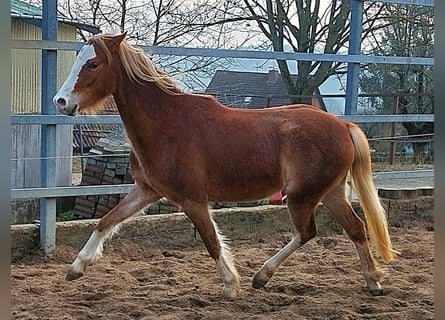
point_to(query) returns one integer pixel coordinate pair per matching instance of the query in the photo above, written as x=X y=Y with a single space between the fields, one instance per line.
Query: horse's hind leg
x=302 y=215
x=214 y=242
x=342 y=211
x=134 y=201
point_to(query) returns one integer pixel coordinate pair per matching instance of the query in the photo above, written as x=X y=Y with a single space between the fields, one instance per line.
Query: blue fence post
x=355 y=40
x=48 y=132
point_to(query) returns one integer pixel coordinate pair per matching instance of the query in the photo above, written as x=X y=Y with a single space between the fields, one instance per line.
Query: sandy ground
x=322 y=280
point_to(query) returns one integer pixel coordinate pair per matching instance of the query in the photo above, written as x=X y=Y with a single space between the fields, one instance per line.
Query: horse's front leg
x=216 y=246
x=138 y=198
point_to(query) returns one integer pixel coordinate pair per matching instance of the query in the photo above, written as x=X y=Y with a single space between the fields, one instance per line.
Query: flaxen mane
x=138 y=65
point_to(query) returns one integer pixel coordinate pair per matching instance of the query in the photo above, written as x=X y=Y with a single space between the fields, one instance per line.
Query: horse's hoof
x=259 y=281
x=376 y=292
x=71 y=275
x=229 y=293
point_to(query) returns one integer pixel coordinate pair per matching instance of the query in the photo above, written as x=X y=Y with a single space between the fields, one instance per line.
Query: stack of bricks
x=162 y=206
x=108 y=163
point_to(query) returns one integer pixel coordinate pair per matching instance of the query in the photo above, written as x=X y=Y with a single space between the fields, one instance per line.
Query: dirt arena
x=321 y=281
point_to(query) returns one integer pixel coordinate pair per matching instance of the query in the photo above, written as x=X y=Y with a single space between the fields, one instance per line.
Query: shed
x=26 y=21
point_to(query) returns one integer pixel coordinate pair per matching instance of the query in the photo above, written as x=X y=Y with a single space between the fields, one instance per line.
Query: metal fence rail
x=32 y=193
x=115 y=119
x=230 y=53
x=55 y=192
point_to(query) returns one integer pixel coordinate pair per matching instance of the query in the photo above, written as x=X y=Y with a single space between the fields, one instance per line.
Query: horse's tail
x=363 y=184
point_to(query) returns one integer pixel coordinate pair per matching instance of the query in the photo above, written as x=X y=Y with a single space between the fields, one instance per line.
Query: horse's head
x=92 y=78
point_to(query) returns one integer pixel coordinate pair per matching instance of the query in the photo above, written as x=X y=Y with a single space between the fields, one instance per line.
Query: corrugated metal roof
x=21 y=9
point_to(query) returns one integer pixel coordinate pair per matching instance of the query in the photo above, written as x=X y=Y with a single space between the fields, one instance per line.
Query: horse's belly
x=243 y=188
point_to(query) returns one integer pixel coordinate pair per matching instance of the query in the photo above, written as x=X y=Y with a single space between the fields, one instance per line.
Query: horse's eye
x=93 y=65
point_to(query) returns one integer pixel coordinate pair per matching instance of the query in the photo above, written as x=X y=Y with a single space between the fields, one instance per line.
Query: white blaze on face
x=64 y=100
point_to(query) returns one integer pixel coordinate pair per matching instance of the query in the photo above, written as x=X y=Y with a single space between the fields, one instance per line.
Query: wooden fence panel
x=25 y=154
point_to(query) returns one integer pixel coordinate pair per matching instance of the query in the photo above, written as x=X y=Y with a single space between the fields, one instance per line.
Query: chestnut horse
x=191 y=150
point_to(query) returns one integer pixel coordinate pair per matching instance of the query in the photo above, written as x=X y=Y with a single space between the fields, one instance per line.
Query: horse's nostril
x=61 y=102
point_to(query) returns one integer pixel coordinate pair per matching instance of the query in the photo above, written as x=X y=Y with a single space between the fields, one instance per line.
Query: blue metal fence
x=49 y=120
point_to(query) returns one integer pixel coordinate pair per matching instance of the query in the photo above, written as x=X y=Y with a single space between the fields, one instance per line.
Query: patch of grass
x=66 y=216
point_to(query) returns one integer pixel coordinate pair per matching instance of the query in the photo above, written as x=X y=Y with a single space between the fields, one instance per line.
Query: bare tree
x=306 y=26
x=195 y=23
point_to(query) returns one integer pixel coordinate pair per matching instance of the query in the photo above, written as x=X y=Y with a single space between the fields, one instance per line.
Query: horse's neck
x=141 y=109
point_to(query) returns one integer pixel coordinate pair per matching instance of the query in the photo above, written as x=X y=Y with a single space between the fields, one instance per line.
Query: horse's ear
x=118 y=38
x=113 y=41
